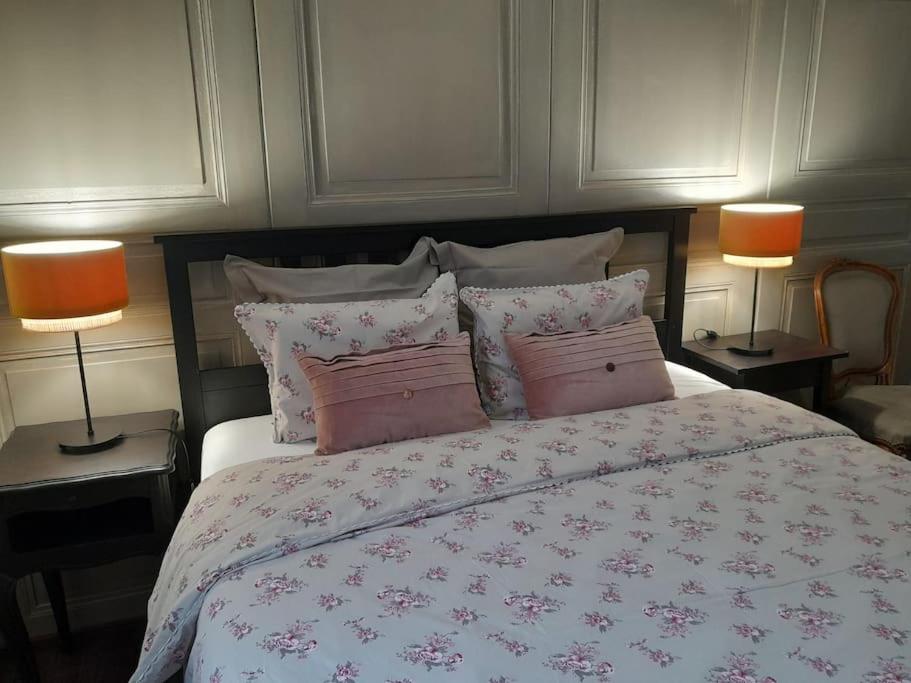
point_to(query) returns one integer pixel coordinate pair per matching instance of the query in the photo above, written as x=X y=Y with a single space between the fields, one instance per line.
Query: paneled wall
x=662 y=101
x=128 y=117
x=384 y=111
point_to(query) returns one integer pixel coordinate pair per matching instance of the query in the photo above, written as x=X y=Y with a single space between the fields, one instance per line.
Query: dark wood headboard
x=217 y=395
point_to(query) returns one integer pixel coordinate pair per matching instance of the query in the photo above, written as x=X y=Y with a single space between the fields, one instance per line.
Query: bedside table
x=60 y=511
x=795 y=363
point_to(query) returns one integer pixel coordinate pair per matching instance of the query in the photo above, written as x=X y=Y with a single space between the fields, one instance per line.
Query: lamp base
x=79 y=442
x=751 y=350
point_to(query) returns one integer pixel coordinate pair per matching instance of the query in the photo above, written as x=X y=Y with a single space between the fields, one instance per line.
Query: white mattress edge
x=248 y=439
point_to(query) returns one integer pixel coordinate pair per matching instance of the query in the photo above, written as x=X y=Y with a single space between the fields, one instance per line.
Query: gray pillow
x=559 y=261
x=255 y=283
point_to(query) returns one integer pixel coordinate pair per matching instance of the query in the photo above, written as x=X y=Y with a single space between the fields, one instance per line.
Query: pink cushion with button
x=394 y=394
x=582 y=372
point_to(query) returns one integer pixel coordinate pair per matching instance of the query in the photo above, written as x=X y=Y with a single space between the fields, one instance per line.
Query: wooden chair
x=857 y=308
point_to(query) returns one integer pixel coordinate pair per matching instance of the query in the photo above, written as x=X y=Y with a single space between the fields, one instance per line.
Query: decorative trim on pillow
x=392 y=395
x=533 y=263
x=583 y=372
x=282 y=334
x=548 y=310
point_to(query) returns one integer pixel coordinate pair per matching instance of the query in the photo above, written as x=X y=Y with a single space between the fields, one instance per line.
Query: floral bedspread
x=728 y=537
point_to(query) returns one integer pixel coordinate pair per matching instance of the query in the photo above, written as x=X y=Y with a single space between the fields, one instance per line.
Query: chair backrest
x=856 y=309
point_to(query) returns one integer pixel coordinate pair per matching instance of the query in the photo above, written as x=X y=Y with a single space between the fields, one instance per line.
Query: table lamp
x=69 y=286
x=759 y=236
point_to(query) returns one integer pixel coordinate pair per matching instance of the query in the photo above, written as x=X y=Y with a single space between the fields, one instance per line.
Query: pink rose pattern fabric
x=727 y=537
x=546 y=310
x=282 y=334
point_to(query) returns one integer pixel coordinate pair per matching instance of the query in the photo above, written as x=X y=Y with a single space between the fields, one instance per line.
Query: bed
x=721 y=536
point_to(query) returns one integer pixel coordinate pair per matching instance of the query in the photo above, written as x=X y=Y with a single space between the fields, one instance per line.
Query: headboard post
x=183 y=326
x=213 y=396
x=675 y=287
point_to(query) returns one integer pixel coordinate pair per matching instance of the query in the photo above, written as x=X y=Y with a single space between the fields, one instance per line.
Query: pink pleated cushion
x=405 y=392
x=582 y=372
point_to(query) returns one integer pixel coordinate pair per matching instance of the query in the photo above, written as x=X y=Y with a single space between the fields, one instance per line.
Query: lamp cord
x=709 y=334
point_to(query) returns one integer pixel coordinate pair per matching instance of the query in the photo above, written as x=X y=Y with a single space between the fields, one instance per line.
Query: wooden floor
x=104 y=655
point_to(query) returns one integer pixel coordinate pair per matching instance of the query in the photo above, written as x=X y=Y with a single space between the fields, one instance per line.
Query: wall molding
x=593 y=178
x=324 y=190
x=729 y=167
x=317 y=180
x=211 y=193
x=828 y=167
x=63 y=344
x=845 y=224
x=719 y=296
x=792 y=284
x=794 y=172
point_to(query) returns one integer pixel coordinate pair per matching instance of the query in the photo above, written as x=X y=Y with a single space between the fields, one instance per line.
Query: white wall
x=129 y=118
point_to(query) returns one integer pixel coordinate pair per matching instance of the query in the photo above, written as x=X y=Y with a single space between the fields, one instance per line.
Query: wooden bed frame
x=213 y=396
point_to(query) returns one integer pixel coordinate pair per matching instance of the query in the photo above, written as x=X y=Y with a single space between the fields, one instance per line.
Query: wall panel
x=843 y=101
x=82 y=130
x=854 y=223
x=662 y=102
x=706 y=308
x=865 y=46
x=685 y=120
x=375 y=112
x=425 y=117
x=114 y=118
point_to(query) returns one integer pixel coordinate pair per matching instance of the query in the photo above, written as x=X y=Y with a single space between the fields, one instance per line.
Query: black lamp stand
x=77 y=441
x=752 y=349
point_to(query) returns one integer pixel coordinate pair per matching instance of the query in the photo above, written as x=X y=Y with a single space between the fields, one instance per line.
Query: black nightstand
x=795 y=363
x=60 y=511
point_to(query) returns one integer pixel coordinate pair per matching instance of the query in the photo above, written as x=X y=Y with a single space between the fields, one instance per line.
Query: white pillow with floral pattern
x=283 y=333
x=548 y=310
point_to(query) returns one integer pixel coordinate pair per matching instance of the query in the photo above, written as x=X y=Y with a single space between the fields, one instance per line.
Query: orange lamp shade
x=66 y=285
x=760 y=235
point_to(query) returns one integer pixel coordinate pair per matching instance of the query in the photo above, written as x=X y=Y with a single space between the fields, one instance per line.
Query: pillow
x=582 y=372
x=549 y=310
x=253 y=282
x=532 y=263
x=393 y=395
x=284 y=333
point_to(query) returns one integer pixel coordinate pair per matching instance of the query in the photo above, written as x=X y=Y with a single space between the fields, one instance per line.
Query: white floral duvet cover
x=728 y=537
